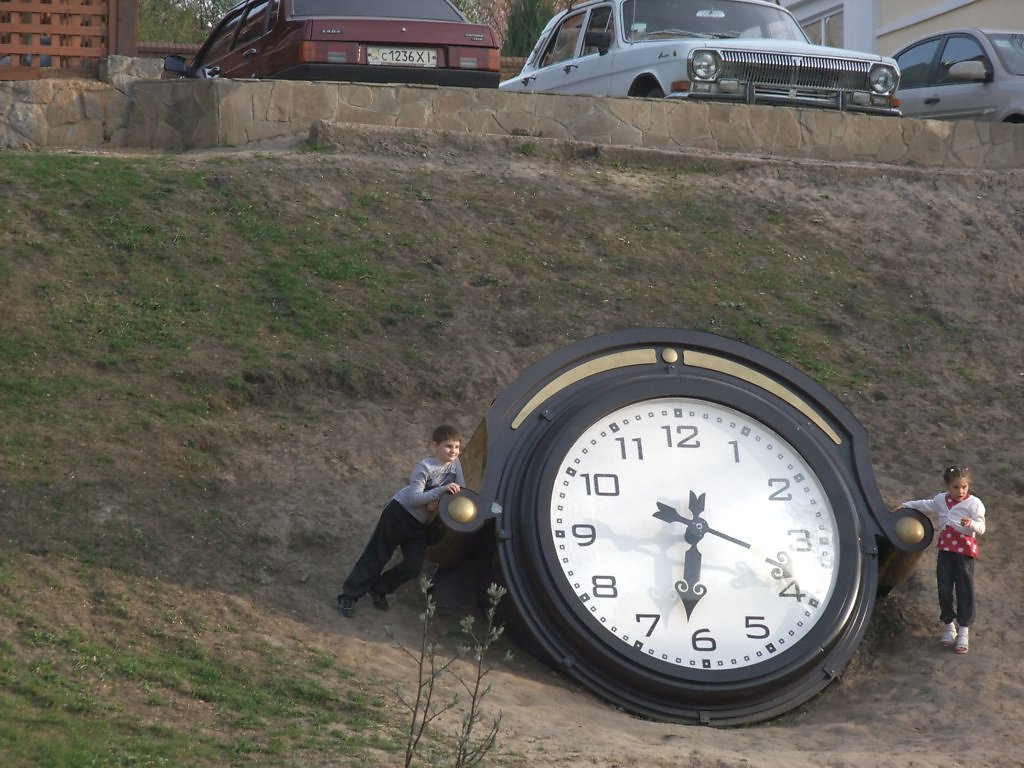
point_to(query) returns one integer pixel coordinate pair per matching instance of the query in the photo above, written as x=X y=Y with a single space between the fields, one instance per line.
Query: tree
x=481 y=11
x=526 y=19
x=179 y=21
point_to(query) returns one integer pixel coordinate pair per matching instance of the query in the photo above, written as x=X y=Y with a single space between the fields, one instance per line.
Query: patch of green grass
x=18 y=392
x=81 y=699
x=13 y=350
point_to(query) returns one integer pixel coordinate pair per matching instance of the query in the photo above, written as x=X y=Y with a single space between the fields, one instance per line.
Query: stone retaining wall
x=192 y=114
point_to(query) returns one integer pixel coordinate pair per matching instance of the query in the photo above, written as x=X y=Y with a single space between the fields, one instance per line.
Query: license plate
x=402 y=57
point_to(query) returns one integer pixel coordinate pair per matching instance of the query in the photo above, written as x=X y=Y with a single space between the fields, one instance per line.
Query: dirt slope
x=941 y=246
x=900 y=289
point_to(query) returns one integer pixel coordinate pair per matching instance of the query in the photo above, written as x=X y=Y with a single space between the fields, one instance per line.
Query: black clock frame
x=530 y=427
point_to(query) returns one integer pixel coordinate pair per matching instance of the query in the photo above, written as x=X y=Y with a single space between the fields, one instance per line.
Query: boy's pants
x=396 y=528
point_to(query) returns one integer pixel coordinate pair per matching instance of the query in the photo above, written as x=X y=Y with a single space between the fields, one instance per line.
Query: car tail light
x=486 y=59
x=328 y=52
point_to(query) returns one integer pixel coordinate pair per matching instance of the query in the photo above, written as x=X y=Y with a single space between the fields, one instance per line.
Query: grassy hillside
x=178 y=334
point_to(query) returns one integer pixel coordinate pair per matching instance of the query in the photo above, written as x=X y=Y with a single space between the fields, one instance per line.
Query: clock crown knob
x=462 y=509
x=909 y=530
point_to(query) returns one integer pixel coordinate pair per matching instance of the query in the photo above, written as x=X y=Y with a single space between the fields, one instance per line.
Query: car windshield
x=438 y=10
x=1010 y=48
x=648 y=19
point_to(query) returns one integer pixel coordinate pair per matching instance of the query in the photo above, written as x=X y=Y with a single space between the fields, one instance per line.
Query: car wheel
x=655 y=93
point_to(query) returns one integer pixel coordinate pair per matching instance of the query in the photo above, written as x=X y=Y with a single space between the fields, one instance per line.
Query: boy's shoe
x=346 y=606
x=380 y=601
x=949 y=634
x=961 y=641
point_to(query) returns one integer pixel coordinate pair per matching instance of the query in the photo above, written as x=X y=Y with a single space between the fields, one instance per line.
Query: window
x=915 y=64
x=826 y=30
x=958 y=48
x=563 y=43
x=600 y=21
x=255 y=24
x=221 y=44
x=644 y=19
x=439 y=10
x=1010 y=48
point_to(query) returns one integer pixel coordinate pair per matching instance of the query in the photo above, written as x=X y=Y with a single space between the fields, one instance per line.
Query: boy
x=403 y=524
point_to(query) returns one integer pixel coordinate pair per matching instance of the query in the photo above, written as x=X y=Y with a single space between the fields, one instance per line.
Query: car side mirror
x=969 y=72
x=600 y=39
x=176 y=64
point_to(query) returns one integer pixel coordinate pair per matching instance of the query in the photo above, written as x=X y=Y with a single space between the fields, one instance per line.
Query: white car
x=745 y=51
x=964 y=74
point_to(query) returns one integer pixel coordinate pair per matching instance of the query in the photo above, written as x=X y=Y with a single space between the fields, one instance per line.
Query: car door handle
x=250 y=53
x=570 y=67
x=932 y=100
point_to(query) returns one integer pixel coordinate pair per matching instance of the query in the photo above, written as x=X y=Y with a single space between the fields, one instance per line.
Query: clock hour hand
x=690 y=589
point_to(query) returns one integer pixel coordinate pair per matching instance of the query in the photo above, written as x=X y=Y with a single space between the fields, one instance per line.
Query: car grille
x=780 y=75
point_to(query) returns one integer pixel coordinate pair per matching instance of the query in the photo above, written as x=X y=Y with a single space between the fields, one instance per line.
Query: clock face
x=691 y=534
x=687 y=526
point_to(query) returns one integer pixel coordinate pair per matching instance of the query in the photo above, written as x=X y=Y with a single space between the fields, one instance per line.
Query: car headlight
x=705 y=65
x=883 y=78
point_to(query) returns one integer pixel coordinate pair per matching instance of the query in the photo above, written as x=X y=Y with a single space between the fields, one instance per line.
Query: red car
x=369 y=41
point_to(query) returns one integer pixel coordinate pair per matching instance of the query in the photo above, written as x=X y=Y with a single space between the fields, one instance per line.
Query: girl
x=961 y=518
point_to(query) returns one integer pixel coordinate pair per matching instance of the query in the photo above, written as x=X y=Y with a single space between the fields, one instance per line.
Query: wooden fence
x=64 y=38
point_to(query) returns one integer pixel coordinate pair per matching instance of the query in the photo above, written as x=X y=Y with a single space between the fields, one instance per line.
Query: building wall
x=899 y=23
x=883 y=26
x=841 y=23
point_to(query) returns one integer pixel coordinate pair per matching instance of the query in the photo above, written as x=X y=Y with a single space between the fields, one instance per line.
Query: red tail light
x=485 y=59
x=328 y=53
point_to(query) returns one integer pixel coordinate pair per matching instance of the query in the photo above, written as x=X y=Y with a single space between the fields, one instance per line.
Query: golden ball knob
x=909 y=530
x=463 y=510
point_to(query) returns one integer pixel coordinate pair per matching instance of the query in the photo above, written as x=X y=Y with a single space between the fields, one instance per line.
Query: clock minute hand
x=779 y=564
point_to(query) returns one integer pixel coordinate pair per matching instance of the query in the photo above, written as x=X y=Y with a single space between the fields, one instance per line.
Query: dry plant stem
x=422 y=709
x=467 y=754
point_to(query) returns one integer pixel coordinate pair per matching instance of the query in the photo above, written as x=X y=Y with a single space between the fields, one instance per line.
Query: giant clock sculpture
x=686 y=525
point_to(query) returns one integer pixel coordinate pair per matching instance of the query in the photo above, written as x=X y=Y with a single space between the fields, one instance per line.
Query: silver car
x=964 y=73
x=745 y=51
